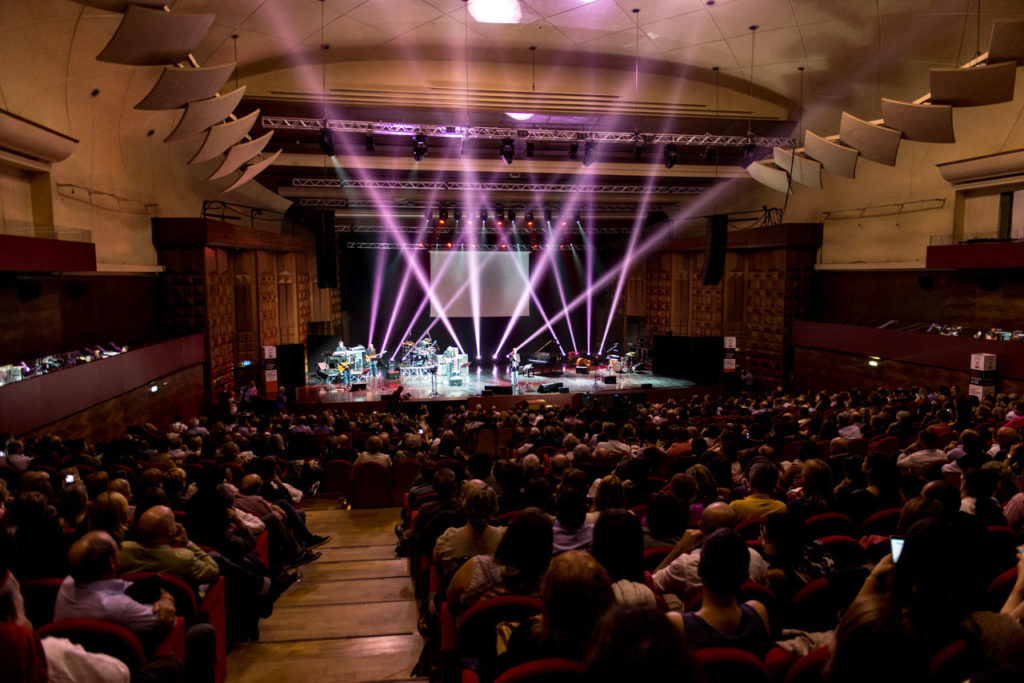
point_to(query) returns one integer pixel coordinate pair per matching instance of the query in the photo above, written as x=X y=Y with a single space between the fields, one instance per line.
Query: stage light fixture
x=548 y=214
x=529 y=218
x=499 y=215
x=709 y=154
x=670 y=155
x=529 y=149
x=326 y=141
x=638 y=150
x=508 y=151
x=369 y=142
x=579 y=217
x=588 y=152
x=419 y=147
x=483 y=217
x=457 y=215
x=512 y=216
x=442 y=215
x=574 y=148
x=428 y=214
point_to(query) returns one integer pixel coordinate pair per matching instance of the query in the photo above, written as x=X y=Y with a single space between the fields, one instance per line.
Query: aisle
x=351 y=617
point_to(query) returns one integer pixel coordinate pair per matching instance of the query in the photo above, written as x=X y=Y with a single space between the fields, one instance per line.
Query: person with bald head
x=93 y=591
x=679 y=572
x=163 y=546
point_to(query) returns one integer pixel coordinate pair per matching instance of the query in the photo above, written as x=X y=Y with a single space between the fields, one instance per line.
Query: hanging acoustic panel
x=1006 y=42
x=986 y=84
x=177 y=87
x=239 y=154
x=920 y=122
x=767 y=173
x=876 y=143
x=202 y=114
x=151 y=37
x=223 y=136
x=121 y=5
x=834 y=157
x=802 y=168
x=252 y=172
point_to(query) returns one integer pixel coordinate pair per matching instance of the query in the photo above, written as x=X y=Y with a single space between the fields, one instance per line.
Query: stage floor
x=474 y=382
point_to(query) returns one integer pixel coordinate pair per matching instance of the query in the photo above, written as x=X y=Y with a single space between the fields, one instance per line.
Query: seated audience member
x=295 y=532
x=164 y=547
x=639 y=643
x=109 y=513
x=793 y=560
x=873 y=630
x=476 y=537
x=92 y=590
x=679 y=572
x=684 y=487
x=970 y=454
x=509 y=477
x=707 y=487
x=665 y=520
x=521 y=558
x=637 y=486
x=608 y=494
x=575 y=592
x=882 y=490
x=816 y=495
x=446 y=487
x=764 y=476
x=571 y=531
x=73 y=506
x=979 y=487
x=921 y=454
x=37 y=536
x=618 y=546
x=374 y=453
x=722 y=621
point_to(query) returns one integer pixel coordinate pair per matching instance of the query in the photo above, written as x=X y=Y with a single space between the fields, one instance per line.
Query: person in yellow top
x=164 y=547
x=763 y=477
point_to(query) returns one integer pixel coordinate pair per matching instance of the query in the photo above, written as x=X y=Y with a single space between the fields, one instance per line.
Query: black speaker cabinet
x=716 y=233
x=646 y=386
x=291 y=365
x=582 y=370
x=498 y=390
x=358 y=386
x=610 y=379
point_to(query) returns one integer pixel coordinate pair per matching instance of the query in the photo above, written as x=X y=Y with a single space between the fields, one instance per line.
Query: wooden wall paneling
x=266 y=298
x=243 y=270
x=220 y=337
x=733 y=304
x=180 y=392
x=658 y=294
x=765 y=315
x=679 y=274
x=799 y=299
x=287 y=312
x=303 y=294
x=706 y=307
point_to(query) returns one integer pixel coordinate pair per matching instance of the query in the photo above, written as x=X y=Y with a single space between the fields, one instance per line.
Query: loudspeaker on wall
x=716 y=233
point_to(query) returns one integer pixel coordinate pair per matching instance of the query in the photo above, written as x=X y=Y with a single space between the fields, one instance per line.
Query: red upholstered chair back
x=186 y=604
x=97 y=635
x=371 y=486
x=881 y=523
x=811 y=667
x=727 y=665
x=476 y=629
x=337 y=479
x=403 y=475
x=551 y=670
x=829 y=524
x=40 y=596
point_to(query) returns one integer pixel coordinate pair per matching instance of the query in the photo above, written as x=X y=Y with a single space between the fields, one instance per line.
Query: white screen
x=502 y=277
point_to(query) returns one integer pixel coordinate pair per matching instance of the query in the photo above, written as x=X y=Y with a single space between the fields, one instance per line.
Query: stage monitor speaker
x=550 y=388
x=647 y=386
x=393 y=374
x=455 y=381
x=291 y=365
x=487 y=392
x=610 y=379
x=582 y=370
x=358 y=386
x=716 y=233
x=563 y=390
x=498 y=390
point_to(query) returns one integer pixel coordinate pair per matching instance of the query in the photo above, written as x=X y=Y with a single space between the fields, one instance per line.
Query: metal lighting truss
x=436 y=246
x=459 y=186
x=498 y=133
x=486 y=230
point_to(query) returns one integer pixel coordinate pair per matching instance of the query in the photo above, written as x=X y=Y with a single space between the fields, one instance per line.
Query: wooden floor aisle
x=351 y=617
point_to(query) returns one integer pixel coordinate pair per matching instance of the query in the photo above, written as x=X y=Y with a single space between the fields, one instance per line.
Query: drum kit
x=620 y=364
x=423 y=352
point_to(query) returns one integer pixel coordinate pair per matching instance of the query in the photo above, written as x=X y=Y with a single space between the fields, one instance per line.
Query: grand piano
x=547 y=363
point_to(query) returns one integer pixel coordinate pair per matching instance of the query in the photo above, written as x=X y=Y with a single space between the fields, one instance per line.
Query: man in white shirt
x=678 y=573
x=915 y=461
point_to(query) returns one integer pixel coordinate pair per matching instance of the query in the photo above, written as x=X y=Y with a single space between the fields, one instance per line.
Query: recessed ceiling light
x=496 y=11
x=519 y=115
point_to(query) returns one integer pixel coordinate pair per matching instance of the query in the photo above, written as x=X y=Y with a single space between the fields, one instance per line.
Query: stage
x=476 y=381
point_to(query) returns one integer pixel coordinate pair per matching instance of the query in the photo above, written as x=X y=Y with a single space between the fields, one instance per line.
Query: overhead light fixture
x=670 y=155
x=496 y=11
x=512 y=216
x=369 y=142
x=519 y=115
x=548 y=214
x=529 y=218
x=588 y=152
x=419 y=147
x=457 y=215
x=326 y=141
x=508 y=151
x=483 y=217
x=499 y=214
x=442 y=215
x=638 y=149
x=529 y=149
x=574 y=149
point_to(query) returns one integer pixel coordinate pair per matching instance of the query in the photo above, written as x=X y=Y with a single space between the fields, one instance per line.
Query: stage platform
x=474 y=383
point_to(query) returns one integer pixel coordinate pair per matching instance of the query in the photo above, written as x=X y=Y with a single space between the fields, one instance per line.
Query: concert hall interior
x=287 y=209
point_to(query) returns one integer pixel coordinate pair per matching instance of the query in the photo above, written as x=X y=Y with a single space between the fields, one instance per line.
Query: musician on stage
x=513 y=366
x=341 y=346
x=371 y=360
